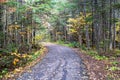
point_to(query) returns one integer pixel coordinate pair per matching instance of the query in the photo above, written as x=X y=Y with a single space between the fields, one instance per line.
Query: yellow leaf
x=15 y=61
x=17 y=70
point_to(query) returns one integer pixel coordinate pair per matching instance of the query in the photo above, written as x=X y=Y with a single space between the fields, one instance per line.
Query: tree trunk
x=114 y=28
x=80 y=39
x=96 y=26
x=86 y=27
x=110 y=27
x=5 y=25
x=1 y=25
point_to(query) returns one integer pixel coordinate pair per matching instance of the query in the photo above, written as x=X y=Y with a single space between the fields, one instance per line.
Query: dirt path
x=61 y=63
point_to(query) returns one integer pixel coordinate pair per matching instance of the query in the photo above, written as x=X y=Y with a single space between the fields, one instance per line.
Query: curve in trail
x=61 y=63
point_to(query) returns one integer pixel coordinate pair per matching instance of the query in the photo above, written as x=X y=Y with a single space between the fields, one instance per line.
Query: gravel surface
x=61 y=63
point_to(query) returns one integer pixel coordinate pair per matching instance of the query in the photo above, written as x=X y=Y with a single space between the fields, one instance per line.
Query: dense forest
x=94 y=23
x=87 y=24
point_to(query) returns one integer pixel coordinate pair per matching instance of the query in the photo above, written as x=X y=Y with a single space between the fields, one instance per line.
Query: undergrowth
x=13 y=61
x=92 y=52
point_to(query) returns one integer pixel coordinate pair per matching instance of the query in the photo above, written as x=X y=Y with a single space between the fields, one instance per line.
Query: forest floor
x=104 y=69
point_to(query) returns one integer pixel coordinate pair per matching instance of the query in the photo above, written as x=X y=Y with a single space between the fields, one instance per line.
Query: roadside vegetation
x=13 y=63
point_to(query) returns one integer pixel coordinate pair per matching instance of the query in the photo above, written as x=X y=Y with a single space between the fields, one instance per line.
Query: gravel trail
x=60 y=63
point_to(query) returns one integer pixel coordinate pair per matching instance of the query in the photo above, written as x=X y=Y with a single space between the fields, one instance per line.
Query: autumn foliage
x=3 y=1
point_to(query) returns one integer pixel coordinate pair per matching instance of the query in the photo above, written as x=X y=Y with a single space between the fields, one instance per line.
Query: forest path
x=61 y=63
